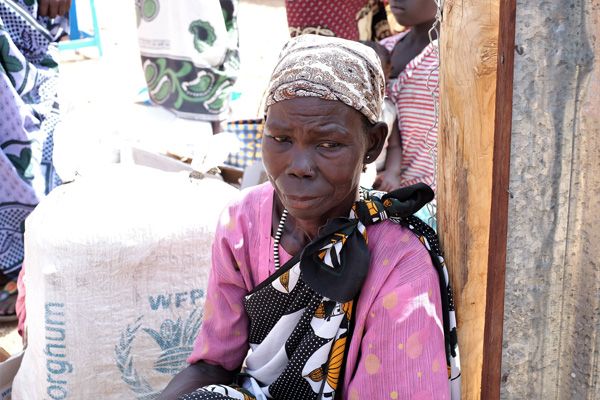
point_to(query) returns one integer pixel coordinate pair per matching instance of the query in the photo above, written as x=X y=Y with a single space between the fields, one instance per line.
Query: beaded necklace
x=278 y=237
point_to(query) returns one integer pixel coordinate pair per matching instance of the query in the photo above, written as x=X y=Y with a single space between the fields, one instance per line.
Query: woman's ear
x=377 y=137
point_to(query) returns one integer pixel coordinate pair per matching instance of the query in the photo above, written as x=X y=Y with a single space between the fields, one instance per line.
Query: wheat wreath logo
x=176 y=341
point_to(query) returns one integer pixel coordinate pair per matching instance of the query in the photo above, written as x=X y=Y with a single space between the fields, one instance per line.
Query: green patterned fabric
x=29 y=113
x=190 y=55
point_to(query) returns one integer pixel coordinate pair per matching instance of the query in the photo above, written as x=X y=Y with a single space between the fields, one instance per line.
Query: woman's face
x=313 y=151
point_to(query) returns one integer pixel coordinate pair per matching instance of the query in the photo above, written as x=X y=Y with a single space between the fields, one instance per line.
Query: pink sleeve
x=223 y=338
x=20 y=306
x=402 y=352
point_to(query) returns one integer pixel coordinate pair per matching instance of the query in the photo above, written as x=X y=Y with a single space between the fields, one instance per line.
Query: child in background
x=414 y=62
x=379 y=175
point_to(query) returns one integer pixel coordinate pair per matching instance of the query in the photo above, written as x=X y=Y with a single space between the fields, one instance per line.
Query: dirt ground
x=98 y=94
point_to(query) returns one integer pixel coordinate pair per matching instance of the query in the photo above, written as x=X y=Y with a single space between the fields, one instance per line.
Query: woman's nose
x=301 y=164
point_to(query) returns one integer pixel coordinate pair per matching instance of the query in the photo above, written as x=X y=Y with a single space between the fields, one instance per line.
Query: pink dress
x=397 y=348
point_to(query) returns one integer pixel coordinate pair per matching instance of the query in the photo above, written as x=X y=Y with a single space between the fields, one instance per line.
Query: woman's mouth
x=301 y=202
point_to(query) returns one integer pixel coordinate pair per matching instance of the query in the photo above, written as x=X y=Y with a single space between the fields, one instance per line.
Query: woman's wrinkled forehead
x=330 y=69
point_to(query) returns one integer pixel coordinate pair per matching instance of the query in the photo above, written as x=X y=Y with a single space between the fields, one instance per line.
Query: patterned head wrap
x=332 y=69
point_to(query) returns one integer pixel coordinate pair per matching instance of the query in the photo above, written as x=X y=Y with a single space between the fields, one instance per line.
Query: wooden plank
x=494 y=313
x=475 y=115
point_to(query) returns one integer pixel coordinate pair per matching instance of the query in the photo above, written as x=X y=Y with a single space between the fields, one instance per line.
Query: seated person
x=333 y=298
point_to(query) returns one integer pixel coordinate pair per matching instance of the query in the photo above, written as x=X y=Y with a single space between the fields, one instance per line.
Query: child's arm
x=389 y=178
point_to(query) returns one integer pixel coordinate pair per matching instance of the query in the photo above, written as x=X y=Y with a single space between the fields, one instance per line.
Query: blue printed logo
x=174 y=338
x=57 y=366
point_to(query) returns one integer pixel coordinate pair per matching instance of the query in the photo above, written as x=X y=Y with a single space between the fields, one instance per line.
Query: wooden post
x=476 y=77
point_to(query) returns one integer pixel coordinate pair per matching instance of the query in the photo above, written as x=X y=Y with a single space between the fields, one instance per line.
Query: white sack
x=8 y=370
x=116 y=270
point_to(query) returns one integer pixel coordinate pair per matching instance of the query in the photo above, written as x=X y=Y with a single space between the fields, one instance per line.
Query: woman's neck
x=297 y=233
x=295 y=236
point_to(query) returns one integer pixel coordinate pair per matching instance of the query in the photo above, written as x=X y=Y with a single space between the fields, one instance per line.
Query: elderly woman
x=334 y=297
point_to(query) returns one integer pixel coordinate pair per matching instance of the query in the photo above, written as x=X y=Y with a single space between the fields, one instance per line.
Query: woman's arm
x=195 y=376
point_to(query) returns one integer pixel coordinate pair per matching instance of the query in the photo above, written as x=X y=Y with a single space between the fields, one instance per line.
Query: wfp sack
x=116 y=273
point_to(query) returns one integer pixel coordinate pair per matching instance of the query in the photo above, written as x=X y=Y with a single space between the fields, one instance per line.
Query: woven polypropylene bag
x=116 y=275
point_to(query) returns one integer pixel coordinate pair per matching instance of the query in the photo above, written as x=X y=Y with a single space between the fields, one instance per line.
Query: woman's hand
x=386 y=181
x=52 y=8
x=195 y=376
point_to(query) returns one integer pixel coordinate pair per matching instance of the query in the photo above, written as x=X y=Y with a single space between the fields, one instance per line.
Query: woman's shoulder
x=250 y=199
x=247 y=210
x=391 y=234
x=396 y=249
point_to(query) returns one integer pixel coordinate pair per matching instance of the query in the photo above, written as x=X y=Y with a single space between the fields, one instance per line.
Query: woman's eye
x=329 y=145
x=280 y=139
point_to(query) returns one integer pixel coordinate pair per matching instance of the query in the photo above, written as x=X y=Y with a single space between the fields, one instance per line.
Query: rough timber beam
x=476 y=82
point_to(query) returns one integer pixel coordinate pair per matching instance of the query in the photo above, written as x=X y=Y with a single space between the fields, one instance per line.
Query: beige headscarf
x=332 y=69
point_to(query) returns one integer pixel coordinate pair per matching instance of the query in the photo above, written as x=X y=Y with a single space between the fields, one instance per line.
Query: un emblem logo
x=176 y=342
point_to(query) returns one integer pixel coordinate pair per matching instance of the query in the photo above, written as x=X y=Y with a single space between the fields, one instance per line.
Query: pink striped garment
x=416 y=115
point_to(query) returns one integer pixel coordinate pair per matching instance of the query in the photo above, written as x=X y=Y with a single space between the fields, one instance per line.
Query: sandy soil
x=99 y=93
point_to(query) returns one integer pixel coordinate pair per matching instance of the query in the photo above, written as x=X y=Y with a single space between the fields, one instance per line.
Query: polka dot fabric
x=218 y=392
x=305 y=324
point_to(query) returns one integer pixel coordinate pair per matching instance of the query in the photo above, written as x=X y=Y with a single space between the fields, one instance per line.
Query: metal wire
x=432 y=148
